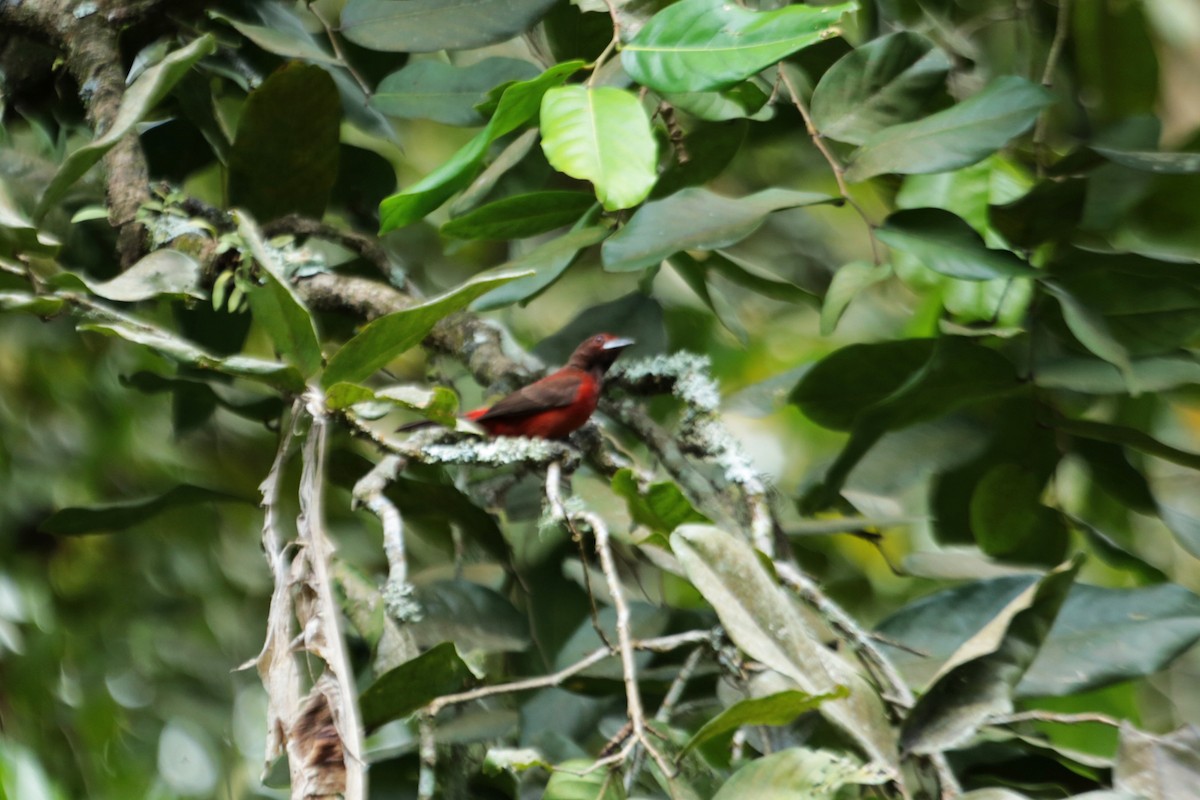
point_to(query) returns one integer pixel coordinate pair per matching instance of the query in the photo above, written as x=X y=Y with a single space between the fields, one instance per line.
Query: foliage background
x=119 y=648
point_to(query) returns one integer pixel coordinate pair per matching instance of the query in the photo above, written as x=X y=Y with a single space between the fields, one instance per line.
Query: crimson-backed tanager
x=556 y=405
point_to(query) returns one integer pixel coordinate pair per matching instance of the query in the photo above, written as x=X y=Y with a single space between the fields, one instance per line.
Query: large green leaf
x=979 y=679
x=285 y=155
x=477 y=619
x=887 y=81
x=162 y=272
x=548 y=261
x=18 y=234
x=577 y=780
x=957 y=372
x=273 y=373
x=956 y=137
x=850 y=280
x=145 y=93
x=387 y=337
x=948 y=245
x=424 y=26
x=520 y=216
x=695 y=219
x=601 y=135
x=700 y=45
x=120 y=516
x=662 y=507
x=410 y=686
x=798 y=772
x=1008 y=518
x=277 y=308
x=445 y=92
x=278 y=40
x=438 y=403
x=519 y=102
x=1153 y=161
x=1092 y=331
x=761 y=619
x=781 y=708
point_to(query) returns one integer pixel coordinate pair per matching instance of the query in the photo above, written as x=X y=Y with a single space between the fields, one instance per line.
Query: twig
x=667 y=707
x=427 y=778
x=559 y=511
x=369 y=491
x=337 y=48
x=1061 y=25
x=366 y=247
x=839 y=172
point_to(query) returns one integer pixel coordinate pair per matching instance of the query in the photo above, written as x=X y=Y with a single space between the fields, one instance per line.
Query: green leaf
x=745 y=100
x=1051 y=211
x=548 y=261
x=1093 y=376
x=957 y=372
x=412 y=685
x=161 y=272
x=1153 y=161
x=1129 y=437
x=601 y=135
x=694 y=273
x=520 y=216
x=443 y=92
x=518 y=103
x=1092 y=331
x=749 y=276
x=960 y=135
x=700 y=45
x=572 y=780
x=761 y=619
x=439 y=403
x=425 y=26
x=263 y=409
x=979 y=679
x=710 y=147
x=781 y=708
x=282 y=161
x=281 y=42
x=273 y=373
x=948 y=245
x=477 y=619
x=1104 y=635
x=848 y=281
x=121 y=516
x=1007 y=516
x=387 y=337
x=277 y=308
x=145 y=93
x=695 y=219
x=662 y=507
x=38 y=305
x=798 y=772
x=885 y=82
x=18 y=234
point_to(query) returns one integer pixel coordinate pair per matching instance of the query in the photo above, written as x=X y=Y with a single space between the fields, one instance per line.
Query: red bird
x=559 y=403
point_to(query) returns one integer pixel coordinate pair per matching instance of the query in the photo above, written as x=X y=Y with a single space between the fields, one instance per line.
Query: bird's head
x=598 y=352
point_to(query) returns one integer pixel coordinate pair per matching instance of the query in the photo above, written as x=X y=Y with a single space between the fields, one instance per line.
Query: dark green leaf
x=709 y=149
x=284 y=157
x=979 y=679
x=548 y=261
x=635 y=315
x=1130 y=437
x=277 y=308
x=138 y=100
x=280 y=41
x=1092 y=331
x=961 y=135
x=265 y=409
x=17 y=233
x=520 y=216
x=410 y=686
x=948 y=245
x=121 y=516
x=744 y=100
x=474 y=617
x=1166 y=163
x=884 y=82
x=443 y=92
x=749 y=276
x=662 y=507
x=1092 y=376
x=848 y=281
x=700 y=45
x=425 y=26
x=387 y=337
x=519 y=102
x=781 y=708
x=1008 y=518
x=601 y=135
x=1051 y=211
x=694 y=219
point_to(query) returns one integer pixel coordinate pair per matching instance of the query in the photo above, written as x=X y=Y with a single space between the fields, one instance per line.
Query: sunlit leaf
x=661 y=507
x=700 y=45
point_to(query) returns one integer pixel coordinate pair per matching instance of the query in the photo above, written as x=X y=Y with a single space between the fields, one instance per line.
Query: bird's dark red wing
x=555 y=391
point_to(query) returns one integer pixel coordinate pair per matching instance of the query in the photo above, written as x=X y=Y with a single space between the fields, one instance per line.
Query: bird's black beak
x=617 y=344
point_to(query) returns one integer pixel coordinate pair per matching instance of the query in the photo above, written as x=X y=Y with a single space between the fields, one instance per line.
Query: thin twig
x=369 y=491
x=337 y=49
x=1061 y=25
x=839 y=172
x=427 y=778
x=667 y=707
x=1063 y=718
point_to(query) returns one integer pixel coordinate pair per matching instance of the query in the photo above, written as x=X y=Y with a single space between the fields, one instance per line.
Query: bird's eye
x=599 y=340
